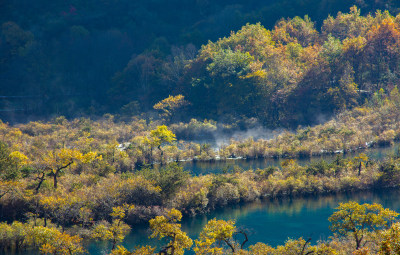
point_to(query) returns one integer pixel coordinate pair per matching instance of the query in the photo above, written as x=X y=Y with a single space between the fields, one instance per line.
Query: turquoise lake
x=269 y=221
x=217 y=166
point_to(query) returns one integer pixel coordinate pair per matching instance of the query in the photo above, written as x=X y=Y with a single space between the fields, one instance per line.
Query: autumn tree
x=13 y=235
x=63 y=244
x=161 y=136
x=55 y=162
x=142 y=149
x=213 y=234
x=9 y=187
x=395 y=96
x=354 y=220
x=347 y=25
x=145 y=250
x=295 y=30
x=63 y=208
x=117 y=230
x=50 y=240
x=360 y=161
x=11 y=163
x=170 y=105
x=168 y=227
x=390 y=241
x=261 y=249
x=381 y=54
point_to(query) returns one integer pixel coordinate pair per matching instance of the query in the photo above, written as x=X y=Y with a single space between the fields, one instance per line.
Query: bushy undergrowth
x=74 y=174
x=84 y=201
x=127 y=146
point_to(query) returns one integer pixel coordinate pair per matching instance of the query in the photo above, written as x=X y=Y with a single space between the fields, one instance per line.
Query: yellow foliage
x=89 y=157
x=167 y=227
x=390 y=244
x=170 y=104
x=162 y=135
x=146 y=250
x=19 y=157
x=63 y=244
x=120 y=250
x=120 y=212
x=215 y=231
x=261 y=249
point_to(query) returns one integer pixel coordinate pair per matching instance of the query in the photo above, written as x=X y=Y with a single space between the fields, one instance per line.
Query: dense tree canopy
x=88 y=57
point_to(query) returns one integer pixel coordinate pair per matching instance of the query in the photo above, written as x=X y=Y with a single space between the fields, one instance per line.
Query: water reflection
x=270 y=221
x=218 y=166
x=273 y=221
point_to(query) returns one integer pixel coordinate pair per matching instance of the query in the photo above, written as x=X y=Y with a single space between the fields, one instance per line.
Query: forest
x=294 y=63
x=101 y=103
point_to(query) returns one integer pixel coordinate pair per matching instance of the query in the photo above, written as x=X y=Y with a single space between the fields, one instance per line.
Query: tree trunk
x=151 y=156
x=358 y=241
x=162 y=155
x=55 y=174
x=41 y=179
x=55 y=179
x=230 y=246
x=114 y=242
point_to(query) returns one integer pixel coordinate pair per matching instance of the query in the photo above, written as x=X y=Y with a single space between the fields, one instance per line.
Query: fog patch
x=322 y=118
x=256 y=133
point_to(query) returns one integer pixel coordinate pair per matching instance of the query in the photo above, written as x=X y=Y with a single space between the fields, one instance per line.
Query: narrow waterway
x=270 y=221
x=219 y=166
x=273 y=221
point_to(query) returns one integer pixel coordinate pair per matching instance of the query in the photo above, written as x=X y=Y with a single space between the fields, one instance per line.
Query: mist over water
x=219 y=137
x=219 y=166
x=223 y=74
x=255 y=133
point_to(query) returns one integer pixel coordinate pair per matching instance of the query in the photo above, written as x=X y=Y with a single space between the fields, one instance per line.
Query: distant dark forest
x=90 y=57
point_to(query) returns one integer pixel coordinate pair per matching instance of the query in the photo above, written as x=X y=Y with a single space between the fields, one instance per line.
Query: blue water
x=218 y=166
x=271 y=222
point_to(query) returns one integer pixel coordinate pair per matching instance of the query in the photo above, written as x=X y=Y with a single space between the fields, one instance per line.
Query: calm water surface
x=273 y=221
x=269 y=221
x=217 y=166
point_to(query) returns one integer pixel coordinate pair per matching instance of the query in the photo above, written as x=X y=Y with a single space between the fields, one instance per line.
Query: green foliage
x=11 y=163
x=169 y=178
x=261 y=68
x=331 y=49
x=318 y=168
x=265 y=173
x=390 y=170
x=228 y=64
